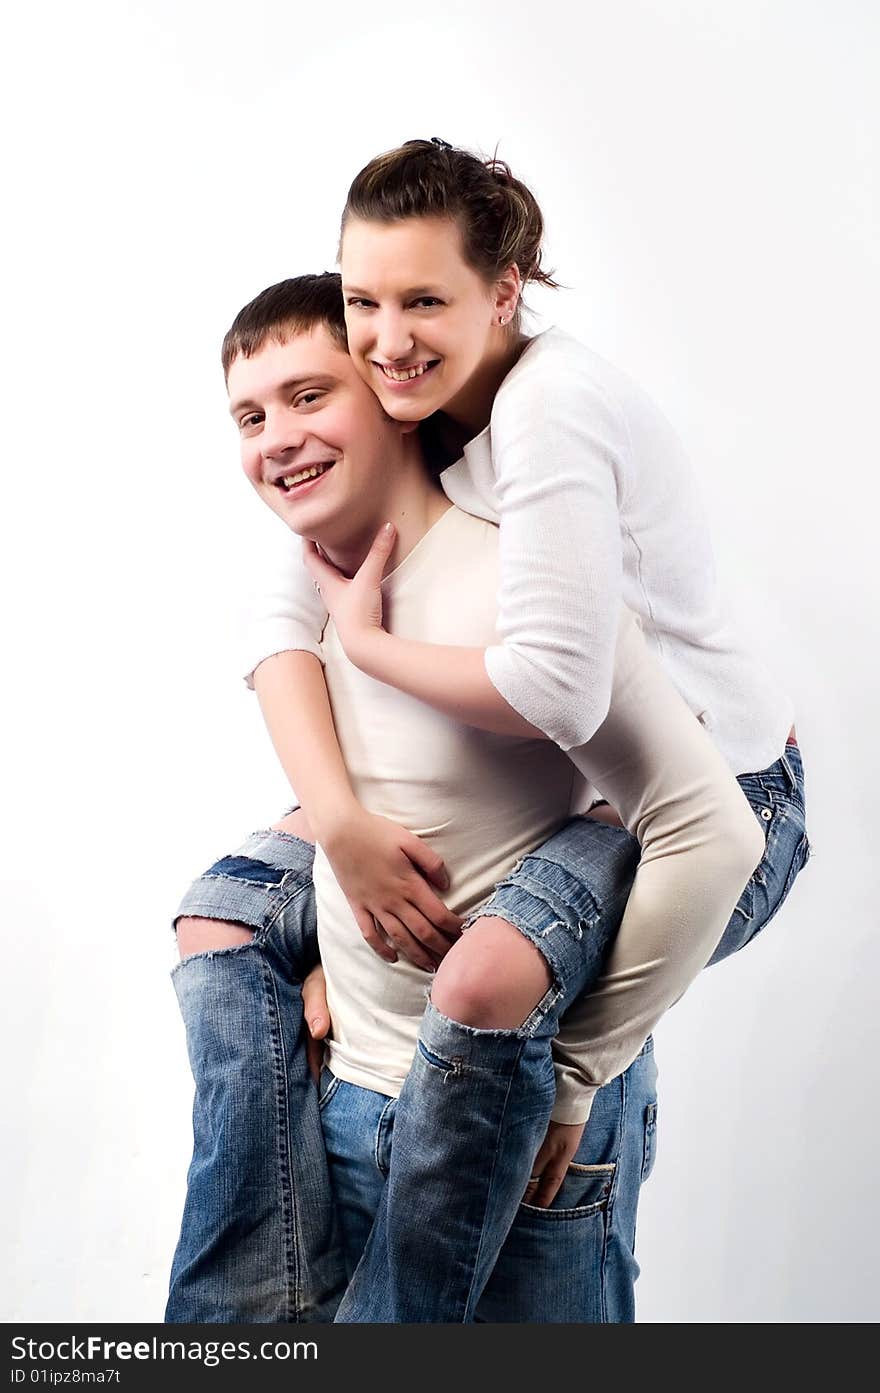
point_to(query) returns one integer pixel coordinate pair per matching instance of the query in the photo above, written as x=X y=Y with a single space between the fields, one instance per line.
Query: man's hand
x=552 y=1161
x=355 y=605
x=384 y=872
x=316 y=1017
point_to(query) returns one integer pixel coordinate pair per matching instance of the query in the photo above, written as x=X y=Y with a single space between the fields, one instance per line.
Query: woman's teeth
x=404 y=374
x=311 y=473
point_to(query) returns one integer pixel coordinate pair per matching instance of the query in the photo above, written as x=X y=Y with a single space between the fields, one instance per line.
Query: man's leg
x=257 y=1240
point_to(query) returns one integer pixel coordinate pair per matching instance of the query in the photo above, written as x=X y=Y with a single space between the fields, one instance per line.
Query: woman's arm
x=453 y=680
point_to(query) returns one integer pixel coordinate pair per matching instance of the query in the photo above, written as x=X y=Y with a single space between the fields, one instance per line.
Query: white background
x=706 y=173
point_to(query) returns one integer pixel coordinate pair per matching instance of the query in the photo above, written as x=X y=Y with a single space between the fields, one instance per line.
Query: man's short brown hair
x=290 y=307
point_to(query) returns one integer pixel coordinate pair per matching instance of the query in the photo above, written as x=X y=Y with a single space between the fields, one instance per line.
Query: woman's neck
x=470 y=410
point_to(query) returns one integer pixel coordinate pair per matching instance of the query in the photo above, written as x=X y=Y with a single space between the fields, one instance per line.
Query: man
x=258 y=1236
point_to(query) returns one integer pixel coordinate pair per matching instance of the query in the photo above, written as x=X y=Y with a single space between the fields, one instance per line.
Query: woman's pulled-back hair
x=500 y=221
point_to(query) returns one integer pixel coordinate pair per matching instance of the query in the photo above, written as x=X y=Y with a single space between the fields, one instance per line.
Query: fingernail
x=388 y=528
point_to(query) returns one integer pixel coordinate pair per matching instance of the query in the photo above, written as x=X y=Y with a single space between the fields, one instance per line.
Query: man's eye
x=308 y=398
x=248 y=422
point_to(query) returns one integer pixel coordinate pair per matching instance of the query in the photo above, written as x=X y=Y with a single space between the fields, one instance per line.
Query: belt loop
x=789 y=773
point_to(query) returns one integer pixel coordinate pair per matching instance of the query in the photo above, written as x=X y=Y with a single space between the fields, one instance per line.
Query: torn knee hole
x=196 y=935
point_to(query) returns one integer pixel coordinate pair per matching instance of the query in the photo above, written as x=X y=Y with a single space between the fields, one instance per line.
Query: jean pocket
x=327 y=1086
x=649 y=1146
x=585 y=1190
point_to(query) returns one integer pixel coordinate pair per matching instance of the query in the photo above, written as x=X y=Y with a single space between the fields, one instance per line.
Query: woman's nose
x=394 y=340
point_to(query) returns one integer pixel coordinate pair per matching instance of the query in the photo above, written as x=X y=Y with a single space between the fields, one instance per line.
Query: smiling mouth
x=409 y=373
x=303 y=476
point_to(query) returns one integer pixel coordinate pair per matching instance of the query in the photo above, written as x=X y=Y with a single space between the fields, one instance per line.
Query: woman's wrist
x=330 y=818
x=372 y=652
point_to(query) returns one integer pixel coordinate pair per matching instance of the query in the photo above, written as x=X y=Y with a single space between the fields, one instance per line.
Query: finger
x=372 y=567
x=547 y=1188
x=542 y=1161
x=438 y=944
x=314 y=994
x=368 y=927
x=434 y=910
x=427 y=861
x=315 y=1057
x=404 y=942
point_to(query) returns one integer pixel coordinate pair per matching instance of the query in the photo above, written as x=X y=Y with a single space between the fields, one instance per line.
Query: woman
x=435 y=249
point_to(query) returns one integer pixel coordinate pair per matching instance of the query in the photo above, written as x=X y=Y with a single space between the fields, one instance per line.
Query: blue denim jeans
x=573 y=1262
x=258 y=1241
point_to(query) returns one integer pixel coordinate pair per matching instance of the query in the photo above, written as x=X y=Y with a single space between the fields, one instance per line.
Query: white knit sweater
x=597 y=504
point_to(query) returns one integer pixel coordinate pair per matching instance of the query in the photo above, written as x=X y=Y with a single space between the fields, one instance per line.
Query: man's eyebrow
x=292 y=384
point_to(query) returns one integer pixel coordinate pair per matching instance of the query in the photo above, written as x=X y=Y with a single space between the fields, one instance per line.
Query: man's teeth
x=311 y=473
x=404 y=374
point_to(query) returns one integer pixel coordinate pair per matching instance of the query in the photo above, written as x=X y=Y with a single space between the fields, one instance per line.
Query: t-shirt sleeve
x=286 y=611
x=560 y=452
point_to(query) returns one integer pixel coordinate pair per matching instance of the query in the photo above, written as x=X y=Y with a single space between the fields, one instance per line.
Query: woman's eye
x=357 y=302
x=429 y=301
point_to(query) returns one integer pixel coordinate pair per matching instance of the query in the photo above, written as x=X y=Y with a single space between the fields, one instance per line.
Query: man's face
x=315 y=442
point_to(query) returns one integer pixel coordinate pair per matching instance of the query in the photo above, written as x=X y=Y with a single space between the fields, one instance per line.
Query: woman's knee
x=492 y=978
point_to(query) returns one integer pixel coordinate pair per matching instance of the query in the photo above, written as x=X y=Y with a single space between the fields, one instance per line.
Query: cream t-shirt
x=481 y=801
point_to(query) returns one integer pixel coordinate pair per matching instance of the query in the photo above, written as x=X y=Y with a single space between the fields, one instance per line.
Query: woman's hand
x=386 y=873
x=355 y=605
x=552 y=1161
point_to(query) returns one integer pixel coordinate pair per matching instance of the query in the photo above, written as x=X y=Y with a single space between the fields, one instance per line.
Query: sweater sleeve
x=560 y=452
x=286 y=613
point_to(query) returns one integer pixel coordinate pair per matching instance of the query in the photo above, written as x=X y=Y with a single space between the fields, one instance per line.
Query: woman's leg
x=475 y=1104
x=257 y=1241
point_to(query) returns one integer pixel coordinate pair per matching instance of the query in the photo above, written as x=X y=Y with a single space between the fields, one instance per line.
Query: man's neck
x=414 y=504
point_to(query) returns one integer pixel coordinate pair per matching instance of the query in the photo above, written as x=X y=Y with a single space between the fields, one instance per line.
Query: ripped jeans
x=259 y=1239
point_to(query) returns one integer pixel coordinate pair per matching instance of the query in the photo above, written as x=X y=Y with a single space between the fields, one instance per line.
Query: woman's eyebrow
x=410 y=292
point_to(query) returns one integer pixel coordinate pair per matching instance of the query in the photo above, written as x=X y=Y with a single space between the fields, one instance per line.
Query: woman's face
x=422 y=324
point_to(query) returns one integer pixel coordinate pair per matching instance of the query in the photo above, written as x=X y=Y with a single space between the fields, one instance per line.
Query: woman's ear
x=508 y=290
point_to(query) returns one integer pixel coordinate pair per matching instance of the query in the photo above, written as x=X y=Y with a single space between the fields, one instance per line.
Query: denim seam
x=380 y=1131
x=288 y=1197
x=583 y=1211
x=612 y=1196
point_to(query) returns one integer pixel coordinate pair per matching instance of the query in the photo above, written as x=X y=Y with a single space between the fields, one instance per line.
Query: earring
x=503 y=318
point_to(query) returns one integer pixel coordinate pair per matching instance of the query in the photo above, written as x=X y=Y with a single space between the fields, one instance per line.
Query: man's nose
x=394 y=340
x=281 y=432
